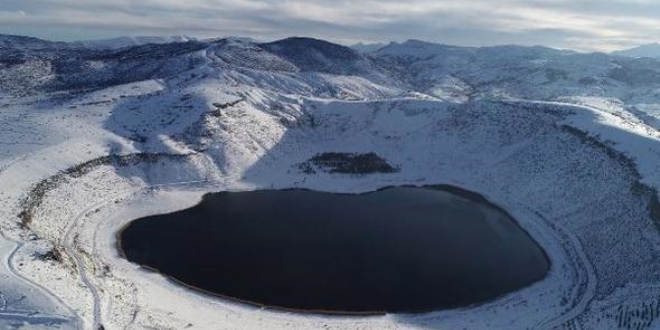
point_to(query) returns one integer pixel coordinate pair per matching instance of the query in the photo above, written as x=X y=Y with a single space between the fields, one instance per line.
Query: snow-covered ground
x=576 y=166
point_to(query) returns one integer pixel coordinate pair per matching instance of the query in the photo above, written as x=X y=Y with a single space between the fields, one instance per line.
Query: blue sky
x=575 y=24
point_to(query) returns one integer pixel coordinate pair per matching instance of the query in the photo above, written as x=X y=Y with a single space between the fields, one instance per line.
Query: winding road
x=32 y=317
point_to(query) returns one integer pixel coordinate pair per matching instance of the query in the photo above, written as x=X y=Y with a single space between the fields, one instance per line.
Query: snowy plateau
x=93 y=137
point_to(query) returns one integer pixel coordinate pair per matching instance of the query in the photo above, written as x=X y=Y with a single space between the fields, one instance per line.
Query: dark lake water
x=395 y=250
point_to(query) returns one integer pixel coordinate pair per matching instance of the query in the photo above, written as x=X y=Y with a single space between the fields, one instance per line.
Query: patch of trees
x=640 y=317
x=347 y=163
x=51 y=255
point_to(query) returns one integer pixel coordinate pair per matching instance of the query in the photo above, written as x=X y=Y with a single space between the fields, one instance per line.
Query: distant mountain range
x=121 y=42
x=22 y=42
x=367 y=47
x=451 y=73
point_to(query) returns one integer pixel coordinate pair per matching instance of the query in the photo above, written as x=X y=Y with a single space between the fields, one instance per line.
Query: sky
x=587 y=25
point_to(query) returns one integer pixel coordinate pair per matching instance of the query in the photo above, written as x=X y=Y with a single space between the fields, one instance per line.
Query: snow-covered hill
x=92 y=138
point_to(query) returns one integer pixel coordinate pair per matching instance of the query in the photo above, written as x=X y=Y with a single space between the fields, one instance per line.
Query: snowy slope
x=568 y=143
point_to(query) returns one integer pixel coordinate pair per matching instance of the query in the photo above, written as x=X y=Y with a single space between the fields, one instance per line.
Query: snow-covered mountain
x=93 y=137
x=649 y=50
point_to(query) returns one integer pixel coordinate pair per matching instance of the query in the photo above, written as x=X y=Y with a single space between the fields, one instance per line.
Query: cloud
x=585 y=24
